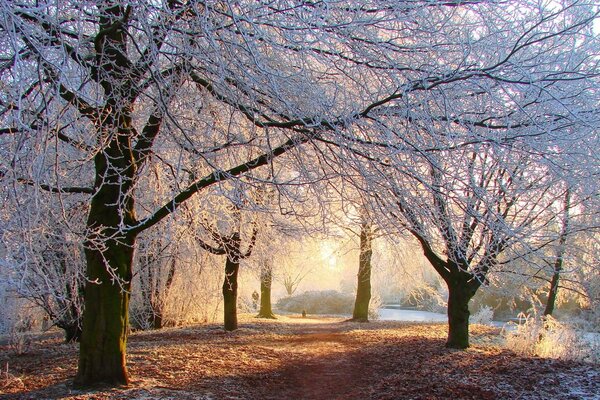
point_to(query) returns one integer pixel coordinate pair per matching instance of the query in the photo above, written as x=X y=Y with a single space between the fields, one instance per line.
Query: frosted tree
x=94 y=92
x=483 y=214
x=50 y=272
x=226 y=234
x=485 y=121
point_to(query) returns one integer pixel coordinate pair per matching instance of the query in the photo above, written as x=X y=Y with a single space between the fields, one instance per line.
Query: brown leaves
x=311 y=359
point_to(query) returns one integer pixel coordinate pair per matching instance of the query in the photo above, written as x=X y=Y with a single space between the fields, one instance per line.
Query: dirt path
x=305 y=359
x=326 y=365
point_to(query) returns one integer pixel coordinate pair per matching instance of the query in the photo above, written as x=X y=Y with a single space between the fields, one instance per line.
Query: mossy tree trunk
x=110 y=241
x=106 y=317
x=109 y=248
x=266 y=280
x=363 y=287
x=109 y=256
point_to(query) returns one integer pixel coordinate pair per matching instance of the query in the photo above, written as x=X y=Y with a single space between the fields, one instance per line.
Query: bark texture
x=230 y=292
x=459 y=295
x=363 y=287
x=104 y=338
x=266 y=280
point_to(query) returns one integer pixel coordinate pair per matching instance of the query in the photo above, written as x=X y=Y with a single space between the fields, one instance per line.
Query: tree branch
x=48 y=188
x=218 y=176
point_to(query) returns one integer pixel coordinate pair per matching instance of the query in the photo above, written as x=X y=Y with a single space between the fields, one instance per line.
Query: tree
x=230 y=244
x=363 y=287
x=95 y=92
x=54 y=280
x=560 y=253
x=156 y=274
x=292 y=276
x=266 y=280
x=494 y=214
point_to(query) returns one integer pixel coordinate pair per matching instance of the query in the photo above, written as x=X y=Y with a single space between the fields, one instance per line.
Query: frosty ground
x=296 y=358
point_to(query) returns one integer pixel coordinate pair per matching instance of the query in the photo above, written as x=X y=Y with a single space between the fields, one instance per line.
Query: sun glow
x=329 y=256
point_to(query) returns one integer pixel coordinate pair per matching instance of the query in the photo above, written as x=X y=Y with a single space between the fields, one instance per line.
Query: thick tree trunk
x=109 y=258
x=363 y=287
x=230 y=289
x=459 y=295
x=266 y=279
x=106 y=316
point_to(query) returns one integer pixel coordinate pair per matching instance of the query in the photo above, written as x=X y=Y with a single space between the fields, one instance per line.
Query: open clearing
x=294 y=358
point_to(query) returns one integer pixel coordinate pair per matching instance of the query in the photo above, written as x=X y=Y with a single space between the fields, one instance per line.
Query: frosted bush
x=546 y=337
x=483 y=316
x=374 y=306
x=429 y=297
x=318 y=302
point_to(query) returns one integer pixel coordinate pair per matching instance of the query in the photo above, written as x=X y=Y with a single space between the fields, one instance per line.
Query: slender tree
x=560 y=253
x=230 y=244
x=266 y=280
x=156 y=274
x=363 y=287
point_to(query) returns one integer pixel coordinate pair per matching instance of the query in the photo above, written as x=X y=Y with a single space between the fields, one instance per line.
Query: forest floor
x=304 y=358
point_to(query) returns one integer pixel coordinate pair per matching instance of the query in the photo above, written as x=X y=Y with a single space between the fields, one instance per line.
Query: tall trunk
x=266 y=279
x=109 y=257
x=552 y=293
x=363 y=287
x=106 y=316
x=108 y=250
x=558 y=264
x=459 y=295
x=230 y=289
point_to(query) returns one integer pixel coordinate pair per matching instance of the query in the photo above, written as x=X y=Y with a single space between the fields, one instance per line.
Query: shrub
x=547 y=337
x=374 y=306
x=483 y=316
x=318 y=302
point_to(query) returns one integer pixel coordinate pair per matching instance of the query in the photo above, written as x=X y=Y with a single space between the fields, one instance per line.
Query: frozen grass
x=548 y=338
x=483 y=316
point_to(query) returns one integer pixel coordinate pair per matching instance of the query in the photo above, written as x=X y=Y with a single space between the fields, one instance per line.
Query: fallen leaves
x=309 y=359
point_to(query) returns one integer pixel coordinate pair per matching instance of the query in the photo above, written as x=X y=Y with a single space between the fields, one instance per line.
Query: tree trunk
x=109 y=258
x=558 y=264
x=266 y=279
x=72 y=332
x=230 y=288
x=459 y=296
x=157 y=319
x=106 y=316
x=552 y=293
x=363 y=288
